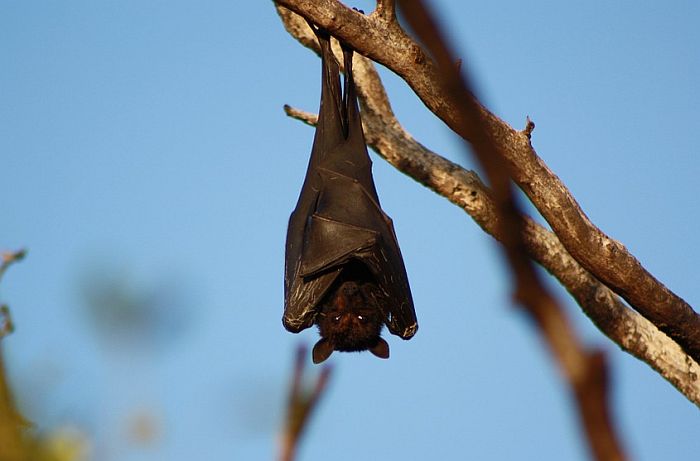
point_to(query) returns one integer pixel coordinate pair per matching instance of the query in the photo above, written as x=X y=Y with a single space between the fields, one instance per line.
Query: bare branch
x=10 y=257
x=632 y=332
x=386 y=43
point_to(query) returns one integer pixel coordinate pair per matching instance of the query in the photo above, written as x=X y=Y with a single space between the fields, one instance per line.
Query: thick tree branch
x=632 y=332
x=384 y=41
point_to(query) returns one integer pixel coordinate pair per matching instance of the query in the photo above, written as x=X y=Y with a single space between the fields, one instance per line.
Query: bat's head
x=350 y=319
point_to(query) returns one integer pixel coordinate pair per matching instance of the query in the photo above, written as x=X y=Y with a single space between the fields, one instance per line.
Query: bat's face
x=350 y=319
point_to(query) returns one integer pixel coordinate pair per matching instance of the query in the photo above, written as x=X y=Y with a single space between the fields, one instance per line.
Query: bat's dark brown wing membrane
x=338 y=217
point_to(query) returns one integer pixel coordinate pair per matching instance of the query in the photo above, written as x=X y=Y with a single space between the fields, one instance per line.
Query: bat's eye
x=336 y=318
x=362 y=318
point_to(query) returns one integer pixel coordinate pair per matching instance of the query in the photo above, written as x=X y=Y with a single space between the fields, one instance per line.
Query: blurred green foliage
x=18 y=440
x=127 y=312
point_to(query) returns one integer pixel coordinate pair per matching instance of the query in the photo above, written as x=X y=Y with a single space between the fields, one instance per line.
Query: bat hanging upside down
x=343 y=267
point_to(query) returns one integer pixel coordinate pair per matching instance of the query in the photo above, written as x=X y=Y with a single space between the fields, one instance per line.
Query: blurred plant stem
x=300 y=406
x=12 y=446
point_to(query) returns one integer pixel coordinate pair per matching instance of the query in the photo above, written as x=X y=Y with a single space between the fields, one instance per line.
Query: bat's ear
x=381 y=349
x=322 y=350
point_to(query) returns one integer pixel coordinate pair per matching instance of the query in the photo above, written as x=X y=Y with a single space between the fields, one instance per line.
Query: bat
x=343 y=266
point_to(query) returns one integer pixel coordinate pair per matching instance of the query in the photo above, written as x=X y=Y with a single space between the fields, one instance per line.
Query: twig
x=300 y=406
x=10 y=257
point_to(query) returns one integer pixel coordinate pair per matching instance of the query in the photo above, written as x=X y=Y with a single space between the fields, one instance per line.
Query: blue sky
x=144 y=150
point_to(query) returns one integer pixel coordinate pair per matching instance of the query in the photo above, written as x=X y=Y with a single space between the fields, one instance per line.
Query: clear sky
x=145 y=157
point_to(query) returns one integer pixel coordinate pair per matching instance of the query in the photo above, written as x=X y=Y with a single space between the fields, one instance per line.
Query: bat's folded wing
x=330 y=243
x=327 y=246
x=302 y=300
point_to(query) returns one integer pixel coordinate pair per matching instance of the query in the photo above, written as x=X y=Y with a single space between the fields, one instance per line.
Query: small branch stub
x=529 y=127
x=306 y=117
x=386 y=10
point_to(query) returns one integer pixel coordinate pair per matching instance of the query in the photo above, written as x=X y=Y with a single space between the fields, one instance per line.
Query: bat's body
x=343 y=268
